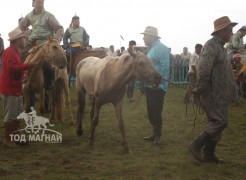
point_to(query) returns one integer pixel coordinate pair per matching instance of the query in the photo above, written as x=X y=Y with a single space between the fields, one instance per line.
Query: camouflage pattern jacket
x=216 y=83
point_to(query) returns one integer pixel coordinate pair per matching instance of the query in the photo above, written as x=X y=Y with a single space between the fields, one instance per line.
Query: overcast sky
x=180 y=22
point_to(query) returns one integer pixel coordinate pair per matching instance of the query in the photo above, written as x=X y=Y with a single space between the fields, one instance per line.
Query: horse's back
x=100 y=76
x=88 y=73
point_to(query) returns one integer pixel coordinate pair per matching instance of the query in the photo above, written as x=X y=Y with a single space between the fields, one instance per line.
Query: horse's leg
x=118 y=112
x=92 y=108
x=90 y=100
x=59 y=99
x=52 y=105
x=26 y=95
x=94 y=123
x=60 y=108
x=80 y=111
x=68 y=101
x=41 y=103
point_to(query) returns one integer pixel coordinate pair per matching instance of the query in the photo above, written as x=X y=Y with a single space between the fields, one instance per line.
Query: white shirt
x=112 y=54
x=193 y=61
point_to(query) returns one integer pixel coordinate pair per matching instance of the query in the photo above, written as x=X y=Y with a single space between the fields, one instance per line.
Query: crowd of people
x=210 y=73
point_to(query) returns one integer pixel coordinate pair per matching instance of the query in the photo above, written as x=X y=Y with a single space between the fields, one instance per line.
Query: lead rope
x=164 y=80
x=196 y=106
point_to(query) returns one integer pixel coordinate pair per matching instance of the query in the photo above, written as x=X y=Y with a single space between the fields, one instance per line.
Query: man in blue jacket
x=159 y=55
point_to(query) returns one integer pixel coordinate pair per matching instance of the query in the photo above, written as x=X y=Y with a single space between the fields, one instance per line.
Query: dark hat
x=75 y=18
x=19 y=20
x=243 y=28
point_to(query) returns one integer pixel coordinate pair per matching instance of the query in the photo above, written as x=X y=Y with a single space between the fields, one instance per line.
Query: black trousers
x=155 y=103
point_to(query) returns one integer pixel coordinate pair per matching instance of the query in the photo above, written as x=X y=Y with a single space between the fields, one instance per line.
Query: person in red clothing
x=11 y=83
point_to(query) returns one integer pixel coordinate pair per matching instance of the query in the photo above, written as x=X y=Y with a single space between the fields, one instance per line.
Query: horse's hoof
x=89 y=144
x=127 y=150
x=79 y=132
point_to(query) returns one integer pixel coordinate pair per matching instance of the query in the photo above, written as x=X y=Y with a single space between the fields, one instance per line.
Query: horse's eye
x=54 y=47
x=142 y=63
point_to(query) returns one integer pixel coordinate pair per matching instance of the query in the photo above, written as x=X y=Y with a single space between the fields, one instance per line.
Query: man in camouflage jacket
x=216 y=87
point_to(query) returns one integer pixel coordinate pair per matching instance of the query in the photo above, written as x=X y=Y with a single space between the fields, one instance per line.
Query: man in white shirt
x=193 y=69
x=185 y=55
x=111 y=51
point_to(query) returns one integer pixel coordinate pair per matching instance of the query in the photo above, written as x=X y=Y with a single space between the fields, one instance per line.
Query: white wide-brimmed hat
x=150 y=30
x=222 y=23
x=16 y=34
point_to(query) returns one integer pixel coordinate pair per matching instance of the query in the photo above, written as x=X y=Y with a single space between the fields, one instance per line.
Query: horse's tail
x=59 y=97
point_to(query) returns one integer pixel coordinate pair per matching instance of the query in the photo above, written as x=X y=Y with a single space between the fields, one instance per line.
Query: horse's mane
x=119 y=61
x=34 y=49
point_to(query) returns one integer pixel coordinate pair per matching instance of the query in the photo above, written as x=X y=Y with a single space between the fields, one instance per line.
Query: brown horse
x=58 y=94
x=50 y=53
x=80 y=55
x=106 y=81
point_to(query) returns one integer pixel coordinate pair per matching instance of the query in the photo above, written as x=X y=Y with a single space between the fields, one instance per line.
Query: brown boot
x=9 y=128
x=209 y=153
x=149 y=138
x=158 y=137
x=196 y=145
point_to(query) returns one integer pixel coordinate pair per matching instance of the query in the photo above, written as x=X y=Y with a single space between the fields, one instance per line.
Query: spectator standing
x=193 y=70
x=111 y=51
x=122 y=49
x=172 y=61
x=158 y=54
x=89 y=47
x=185 y=55
x=131 y=84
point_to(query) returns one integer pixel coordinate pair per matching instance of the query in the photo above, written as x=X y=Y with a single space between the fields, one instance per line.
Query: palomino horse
x=52 y=54
x=106 y=81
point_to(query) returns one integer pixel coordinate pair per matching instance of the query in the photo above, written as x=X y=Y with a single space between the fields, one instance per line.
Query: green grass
x=72 y=159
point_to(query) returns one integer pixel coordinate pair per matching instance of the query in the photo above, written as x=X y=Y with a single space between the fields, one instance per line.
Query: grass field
x=72 y=159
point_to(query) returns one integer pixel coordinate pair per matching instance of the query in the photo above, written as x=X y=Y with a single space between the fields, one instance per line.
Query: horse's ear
x=132 y=53
x=146 y=51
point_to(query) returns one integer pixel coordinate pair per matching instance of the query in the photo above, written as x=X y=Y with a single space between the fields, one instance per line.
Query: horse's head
x=144 y=69
x=22 y=115
x=54 y=54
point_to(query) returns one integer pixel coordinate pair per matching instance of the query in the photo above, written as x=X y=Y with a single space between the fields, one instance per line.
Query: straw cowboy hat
x=150 y=30
x=16 y=34
x=222 y=23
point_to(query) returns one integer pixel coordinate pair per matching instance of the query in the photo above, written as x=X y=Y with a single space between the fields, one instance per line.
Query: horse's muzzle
x=157 y=80
x=62 y=62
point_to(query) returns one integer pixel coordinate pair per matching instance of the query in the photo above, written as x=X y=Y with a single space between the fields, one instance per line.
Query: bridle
x=46 y=53
x=141 y=73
